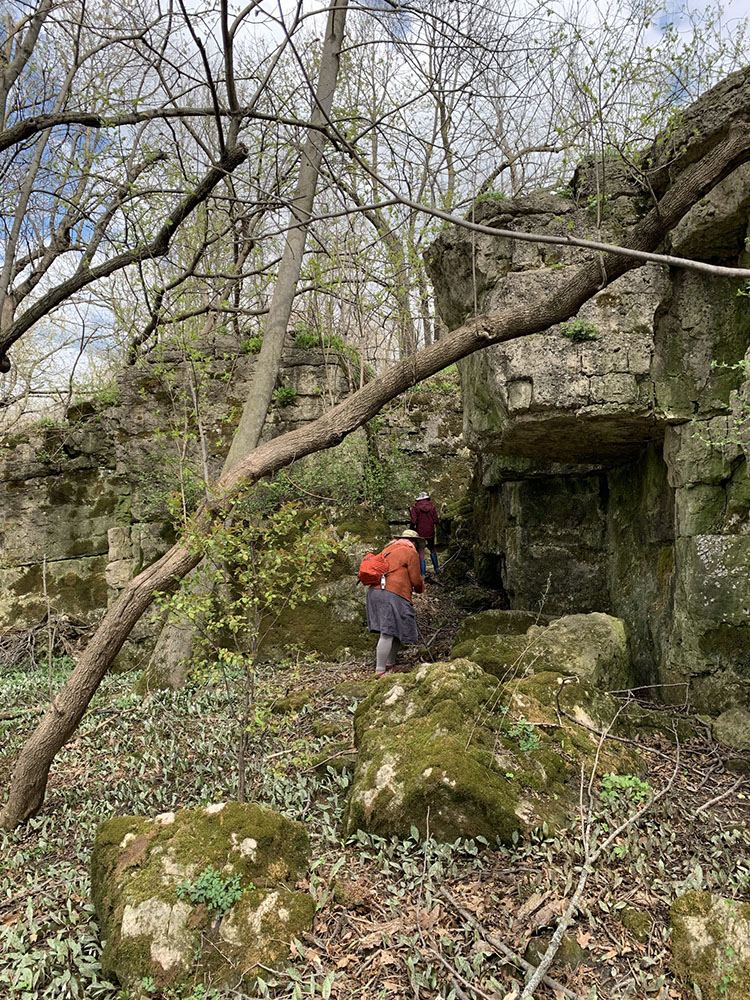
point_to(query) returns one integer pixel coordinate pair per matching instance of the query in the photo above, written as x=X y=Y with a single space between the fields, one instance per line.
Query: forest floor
x=389 y=920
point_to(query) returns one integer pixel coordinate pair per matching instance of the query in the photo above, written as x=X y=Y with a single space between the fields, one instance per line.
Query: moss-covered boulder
x=711 y=945
x=450 y=748
x=593 y=647
x=569 y=955
x=639 y=922
x=199 y=893
x=473 y=597
x=732 y=728
x=497 y=622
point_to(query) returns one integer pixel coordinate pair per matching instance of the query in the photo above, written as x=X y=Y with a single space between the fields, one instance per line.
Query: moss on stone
x=496 y=622
x=592 y=646
x=570 y=955
x=326 y=727
x=137 y=864
x=339 y=756
x=711 y=945
x=442 y=740
x=293 y=702
x=355 y=690
x=349 y=894
x=313 y=626
x=638 y=922
x=366 y=524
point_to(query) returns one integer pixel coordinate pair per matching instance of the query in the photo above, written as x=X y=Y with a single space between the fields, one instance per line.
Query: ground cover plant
x=396 y=917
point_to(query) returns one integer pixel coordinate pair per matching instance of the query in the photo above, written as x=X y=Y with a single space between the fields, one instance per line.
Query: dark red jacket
x=424 y=517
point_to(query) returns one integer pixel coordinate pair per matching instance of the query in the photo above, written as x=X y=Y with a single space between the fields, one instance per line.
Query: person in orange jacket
x=389 y=607
x=424 y=518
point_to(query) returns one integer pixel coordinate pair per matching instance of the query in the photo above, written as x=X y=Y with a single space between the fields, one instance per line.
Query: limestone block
x=615 y=389
x=733 y=728
x=75 y=587
x=119 y=573
x=118 y=539
x=711 y=944
x=497 y=622
x=142 y=871
x=520 y=394
x=700 y=452
x=309 y=381
x=714 y=579
x=593 y=647
x=150 y=541
x=699 y=509
x=414 y=756
x=716 y=226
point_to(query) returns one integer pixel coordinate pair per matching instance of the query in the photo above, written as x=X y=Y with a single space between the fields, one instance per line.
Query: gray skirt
x=391 y=614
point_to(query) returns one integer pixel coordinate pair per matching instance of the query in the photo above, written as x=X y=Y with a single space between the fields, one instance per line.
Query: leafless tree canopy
x=149 y=154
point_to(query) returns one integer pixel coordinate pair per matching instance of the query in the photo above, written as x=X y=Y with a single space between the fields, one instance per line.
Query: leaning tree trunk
x=275 y=328
x=721 y=150
x=168 y=663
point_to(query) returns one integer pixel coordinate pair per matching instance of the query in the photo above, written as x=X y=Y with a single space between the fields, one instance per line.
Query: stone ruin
x=611 y=451
x=84 y=501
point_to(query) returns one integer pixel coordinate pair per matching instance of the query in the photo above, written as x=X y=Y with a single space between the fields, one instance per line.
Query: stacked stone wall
x=611 y=453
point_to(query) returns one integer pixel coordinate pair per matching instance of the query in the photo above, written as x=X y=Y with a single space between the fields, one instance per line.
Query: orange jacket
x=403 y=568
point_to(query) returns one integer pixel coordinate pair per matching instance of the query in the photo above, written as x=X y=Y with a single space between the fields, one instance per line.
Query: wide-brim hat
x=423 y=496
x=411 y=534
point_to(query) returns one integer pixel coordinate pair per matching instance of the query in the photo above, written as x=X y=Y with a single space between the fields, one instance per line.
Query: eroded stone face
x=613 y=467
x=152 y=928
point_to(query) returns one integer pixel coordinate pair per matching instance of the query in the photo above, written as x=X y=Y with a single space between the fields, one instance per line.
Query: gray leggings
x=386 y=651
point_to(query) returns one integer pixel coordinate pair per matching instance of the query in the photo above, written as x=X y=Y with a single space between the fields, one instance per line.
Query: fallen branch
x=19 y=713
x=588 y=867
x=722 y=795
x=502 y=949
x=457 y=979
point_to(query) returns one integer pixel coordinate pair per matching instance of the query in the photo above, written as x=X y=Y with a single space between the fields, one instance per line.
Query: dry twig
x=742 y=780
x=502 y=949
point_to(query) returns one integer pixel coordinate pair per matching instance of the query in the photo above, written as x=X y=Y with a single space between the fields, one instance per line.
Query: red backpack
x=373 y=570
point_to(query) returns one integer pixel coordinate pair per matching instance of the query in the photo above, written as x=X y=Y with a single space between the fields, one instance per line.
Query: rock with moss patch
x=569 y=955
x=638 y=922
x=473 y=597
x=339 y=757
x=145 y=876
x=497 y=622
x=294 y=702
x=593 y=647
x=711 y=945
x=355 y=689
x=481 y=758
x=732 y=728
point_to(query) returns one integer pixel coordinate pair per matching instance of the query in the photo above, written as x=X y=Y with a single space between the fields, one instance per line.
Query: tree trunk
x=722 y=151
x=171 y=655
x=274 y=331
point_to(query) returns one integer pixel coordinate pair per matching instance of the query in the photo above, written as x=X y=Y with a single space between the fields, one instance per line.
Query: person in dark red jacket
x=424 y=517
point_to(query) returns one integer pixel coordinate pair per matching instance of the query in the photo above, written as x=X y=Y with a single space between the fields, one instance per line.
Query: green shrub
x=211 y=888
x=285 y=395
x=490 y=196
x=525 y=734
x=252 y=345
x=618 y=788
x=579 y=329
x=306 y=339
